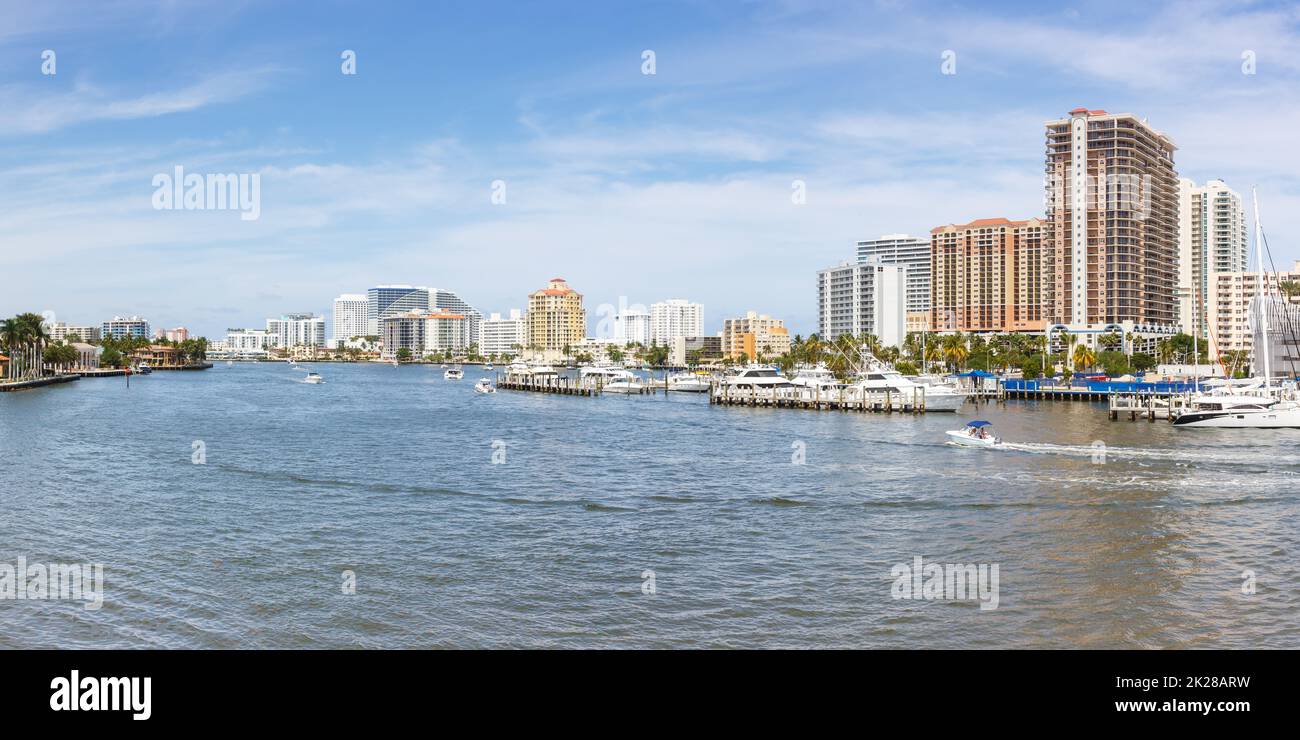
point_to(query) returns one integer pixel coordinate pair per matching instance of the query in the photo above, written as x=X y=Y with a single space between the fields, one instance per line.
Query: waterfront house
x=4 y=367
x=87 y=355
x=158 y=356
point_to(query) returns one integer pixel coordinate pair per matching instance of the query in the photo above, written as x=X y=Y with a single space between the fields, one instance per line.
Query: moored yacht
x=689 y=383
x=757 y=376
x=817 y=377
x=883 y=378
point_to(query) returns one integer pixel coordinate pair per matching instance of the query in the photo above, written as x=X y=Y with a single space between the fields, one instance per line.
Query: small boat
x=487 y=366
x=628 y=385
x=443 y=366
x=454 y=373
x=976 y=434
x=313 y=378
x=143 y=368
x=230 y=363
x=484 y=386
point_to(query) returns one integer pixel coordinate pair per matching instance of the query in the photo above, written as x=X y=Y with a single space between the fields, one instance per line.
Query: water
x=388 y=473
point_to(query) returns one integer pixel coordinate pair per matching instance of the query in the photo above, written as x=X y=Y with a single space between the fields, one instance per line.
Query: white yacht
x=519 y=367
x=815 y=377
x=757 y=376
x=627 y=384
x=689 y=383
x=484 y=386
x=1228 y=411
x=884 y=378
x=603 y=374
x=313 y=378
x=488 y=367
x=454 y=373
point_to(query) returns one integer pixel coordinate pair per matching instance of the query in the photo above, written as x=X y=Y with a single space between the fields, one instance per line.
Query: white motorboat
x=454 y=373
x=689 y=383
x=975 y=434
x=881 y=377
x=603 y=375
x=816 y=377
x=628 y=385
x=1228 y=411
x=313 y=378
x=143 y=368
x=484 y=386
x=756 y=377
x=488 y=367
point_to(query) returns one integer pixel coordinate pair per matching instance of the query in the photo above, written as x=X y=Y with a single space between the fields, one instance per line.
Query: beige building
x=556 y=318
x=1228 y=310
x=754 y=335
x=987 y=276
x=1111 y=233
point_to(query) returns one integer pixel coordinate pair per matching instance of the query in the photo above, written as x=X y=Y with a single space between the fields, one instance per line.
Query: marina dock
x=841 y=399
x=544 y=384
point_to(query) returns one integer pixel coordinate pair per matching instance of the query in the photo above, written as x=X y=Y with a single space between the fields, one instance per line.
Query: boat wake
x=1182 y=455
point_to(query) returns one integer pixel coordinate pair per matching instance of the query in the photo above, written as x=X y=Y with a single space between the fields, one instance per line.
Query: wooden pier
x=1150 y=406
x=839 y=399
x=557 y=384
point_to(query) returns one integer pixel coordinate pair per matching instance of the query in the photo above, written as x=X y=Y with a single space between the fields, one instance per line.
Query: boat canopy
x=974 y=374
x=979 y=423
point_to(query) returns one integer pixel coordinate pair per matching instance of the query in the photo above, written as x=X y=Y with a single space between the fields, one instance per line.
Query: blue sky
x=646 y=187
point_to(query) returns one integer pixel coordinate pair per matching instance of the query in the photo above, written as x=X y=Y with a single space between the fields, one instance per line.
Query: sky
x=634 y=187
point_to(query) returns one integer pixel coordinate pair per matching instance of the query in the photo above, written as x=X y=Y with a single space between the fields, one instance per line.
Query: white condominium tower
x=504 y=336
x=1211 y=238
x=349 y=317
x=449 y=301
x=297 y=330
x=676 y=317
x=862 y=298
x=912 y=253
x=632 y=326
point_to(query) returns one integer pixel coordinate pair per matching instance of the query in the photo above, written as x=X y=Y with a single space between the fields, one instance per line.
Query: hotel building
x=987 y=276
x=1211 y=238
x=120 y=327
x=504 y=336
x=297 y=330
x=1111 y=232
x=556 y=318
x=862 y=298
x=350 y=312
x=632 y=326
x=914 y=254
x=754 y=335
x=389 y=300
x=675 y=317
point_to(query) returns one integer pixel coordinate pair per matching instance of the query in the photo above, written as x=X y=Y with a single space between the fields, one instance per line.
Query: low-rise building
x=684 y=351
x=754 y=335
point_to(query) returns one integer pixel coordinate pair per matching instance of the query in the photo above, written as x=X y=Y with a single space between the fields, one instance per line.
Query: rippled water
x=388 y=473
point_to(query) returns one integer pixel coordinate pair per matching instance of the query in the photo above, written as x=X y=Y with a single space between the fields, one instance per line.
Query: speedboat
x=757 y=376
x=975 y=434
x=689 y=383
x=484 y=386
x=313 y=378
x=454 y=373
x=487 y=366
x=143 y=368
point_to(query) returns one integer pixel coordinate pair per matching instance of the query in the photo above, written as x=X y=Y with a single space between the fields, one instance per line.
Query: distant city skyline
x=486 y=157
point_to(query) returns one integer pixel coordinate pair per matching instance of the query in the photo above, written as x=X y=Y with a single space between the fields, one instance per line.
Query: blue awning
x=974 y=374
x=979 y=423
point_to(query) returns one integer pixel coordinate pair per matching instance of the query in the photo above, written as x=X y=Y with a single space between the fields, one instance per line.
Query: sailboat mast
x=1263 y=307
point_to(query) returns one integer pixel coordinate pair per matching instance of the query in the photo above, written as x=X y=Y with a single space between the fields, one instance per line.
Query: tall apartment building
x=389 y=300
x=177 y=334
x=1211 y=238
x=504 y=336
x=863 y=298
x=632 y=326
x=754 y=335
x=120 y=327
x=556 y=318
x=423 y=332
x=446 y=300
x=297 y=330
x=350 y=312
x=987 y=276
x=1233 y=320
x=1112 y=222
x=61 y=330
x=675 y=317
x=912 y=253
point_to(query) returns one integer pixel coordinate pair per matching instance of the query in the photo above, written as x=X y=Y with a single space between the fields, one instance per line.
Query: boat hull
x=1268 y=419
x=944 y=402
x=960 y=437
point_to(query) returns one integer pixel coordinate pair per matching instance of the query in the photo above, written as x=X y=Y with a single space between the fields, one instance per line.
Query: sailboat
x=1264 y=405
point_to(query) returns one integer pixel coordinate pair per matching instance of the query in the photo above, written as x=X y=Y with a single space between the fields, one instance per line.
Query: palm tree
x=11 y=336
x=1084 y=358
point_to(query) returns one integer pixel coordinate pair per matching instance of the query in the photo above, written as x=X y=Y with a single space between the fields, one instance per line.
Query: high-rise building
x=987 y=276
x=675 y=317
x=297 y=330
x=556 y=318
x=504 y=336
x=632 y=326
x=449 y=301
x=1112 y=222
x=178 y=334
x=1233 y=312
x=120 y=327
x=389 y=300
x=754 y=335
x=422 y=332
x=862 y=298
x=61 y=330
x=1211 y=238
x=350 y=312
x=914 y=254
